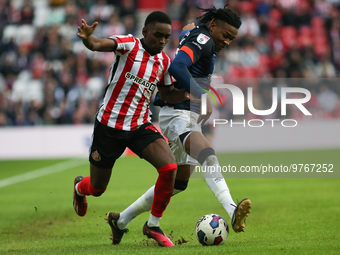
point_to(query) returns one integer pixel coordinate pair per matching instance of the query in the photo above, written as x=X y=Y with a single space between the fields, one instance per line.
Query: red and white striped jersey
x=132 y=81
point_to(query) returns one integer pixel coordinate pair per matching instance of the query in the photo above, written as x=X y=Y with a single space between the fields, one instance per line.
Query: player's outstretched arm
x=92 y=42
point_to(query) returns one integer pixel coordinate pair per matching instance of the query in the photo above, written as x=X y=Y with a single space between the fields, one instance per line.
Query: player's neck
x=147 y=48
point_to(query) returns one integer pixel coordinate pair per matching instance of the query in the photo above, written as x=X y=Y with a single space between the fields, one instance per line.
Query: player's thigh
x=178 y=126
x=195 y=143
x=158 y=154
x=148 y=143
x=107 y=145
x=175 y=122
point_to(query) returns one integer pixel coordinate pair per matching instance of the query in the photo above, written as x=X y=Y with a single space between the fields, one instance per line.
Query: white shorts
x=173 y=123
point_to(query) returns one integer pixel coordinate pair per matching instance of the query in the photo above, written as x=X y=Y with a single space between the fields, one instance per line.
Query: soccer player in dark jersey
x=181 y=122
x=123 y=119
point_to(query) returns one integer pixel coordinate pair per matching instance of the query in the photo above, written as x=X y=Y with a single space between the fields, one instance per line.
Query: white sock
x=142 y=204
x=76 y=187
x=153 y=221
x=218 y=185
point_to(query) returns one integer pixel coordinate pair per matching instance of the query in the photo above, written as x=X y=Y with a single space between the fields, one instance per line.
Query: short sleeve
x=125 y=43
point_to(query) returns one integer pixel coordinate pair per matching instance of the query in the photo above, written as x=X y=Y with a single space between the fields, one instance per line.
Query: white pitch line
x=42 y=172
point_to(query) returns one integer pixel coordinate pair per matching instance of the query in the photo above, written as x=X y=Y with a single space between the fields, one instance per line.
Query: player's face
x=156 y=36
x=222 y=33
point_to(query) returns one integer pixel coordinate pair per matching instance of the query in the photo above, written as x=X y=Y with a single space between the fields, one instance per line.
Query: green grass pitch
x=289 y=215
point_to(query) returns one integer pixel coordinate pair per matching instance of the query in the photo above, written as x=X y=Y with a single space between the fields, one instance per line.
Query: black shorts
x=109 y=144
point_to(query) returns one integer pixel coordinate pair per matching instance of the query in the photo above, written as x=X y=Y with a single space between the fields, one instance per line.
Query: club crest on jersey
x=159 y=74
x=202 y=38
x=149 y=85
x=96 y=156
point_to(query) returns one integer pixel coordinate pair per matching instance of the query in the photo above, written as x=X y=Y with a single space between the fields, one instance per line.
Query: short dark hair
x=223 y=14
x=157 y=16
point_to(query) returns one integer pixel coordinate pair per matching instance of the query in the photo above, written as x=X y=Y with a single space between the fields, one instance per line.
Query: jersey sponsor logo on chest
x=149 y=85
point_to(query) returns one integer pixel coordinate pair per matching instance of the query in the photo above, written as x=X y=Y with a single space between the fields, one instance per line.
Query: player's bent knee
x=180 y=185
x=172 y=167
x=206 y=152
x=168 y=171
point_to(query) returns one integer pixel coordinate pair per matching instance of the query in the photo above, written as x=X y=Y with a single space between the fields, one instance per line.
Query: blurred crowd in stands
x=48 y=77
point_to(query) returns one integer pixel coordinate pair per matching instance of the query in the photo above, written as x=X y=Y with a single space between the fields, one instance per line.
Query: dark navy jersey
x=200 y=47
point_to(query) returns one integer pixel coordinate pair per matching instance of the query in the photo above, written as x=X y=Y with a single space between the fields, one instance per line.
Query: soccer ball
x=212 y=229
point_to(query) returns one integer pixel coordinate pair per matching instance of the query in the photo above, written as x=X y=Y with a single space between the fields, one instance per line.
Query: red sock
x=85 y=187
x=163 y=189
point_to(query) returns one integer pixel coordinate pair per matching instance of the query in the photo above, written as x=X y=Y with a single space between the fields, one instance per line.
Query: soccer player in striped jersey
x=181 y=122
x=123 y=120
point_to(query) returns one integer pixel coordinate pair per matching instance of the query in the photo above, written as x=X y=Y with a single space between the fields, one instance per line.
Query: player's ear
x=212 y=26
x=144 y=31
